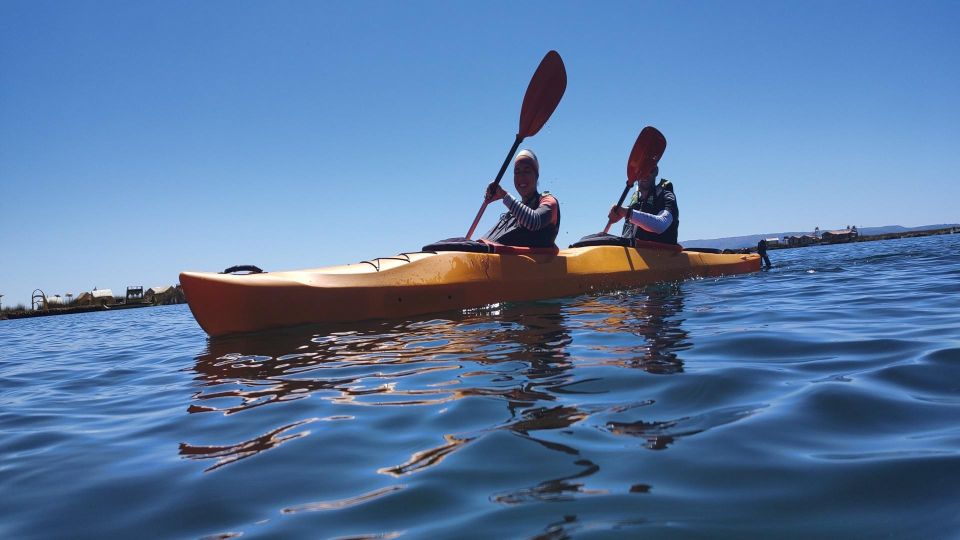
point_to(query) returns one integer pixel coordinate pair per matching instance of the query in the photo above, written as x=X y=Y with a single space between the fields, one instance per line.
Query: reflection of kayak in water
x=425 y=282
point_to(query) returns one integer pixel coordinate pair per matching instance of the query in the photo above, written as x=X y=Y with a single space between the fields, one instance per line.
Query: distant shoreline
x=872 y=238
x=166 y=296
x=811 y=236
x=67 y=310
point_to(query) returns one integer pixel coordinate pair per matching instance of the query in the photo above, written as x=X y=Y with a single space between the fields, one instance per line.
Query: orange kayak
x=425 y=282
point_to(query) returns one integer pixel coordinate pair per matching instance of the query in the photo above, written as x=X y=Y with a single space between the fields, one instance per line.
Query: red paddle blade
x=543 y=94
x=645 y=154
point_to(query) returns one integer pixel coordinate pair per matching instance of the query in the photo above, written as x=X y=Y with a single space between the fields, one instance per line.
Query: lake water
x=818 y=399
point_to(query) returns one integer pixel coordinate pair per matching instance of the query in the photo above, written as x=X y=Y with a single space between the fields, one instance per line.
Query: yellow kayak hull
x=418 y=283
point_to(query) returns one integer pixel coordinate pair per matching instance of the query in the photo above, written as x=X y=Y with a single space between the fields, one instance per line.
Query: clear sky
x=140 y=139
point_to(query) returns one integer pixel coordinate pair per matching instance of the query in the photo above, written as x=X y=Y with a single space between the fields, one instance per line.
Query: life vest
x=659 y=199
x=508 y=230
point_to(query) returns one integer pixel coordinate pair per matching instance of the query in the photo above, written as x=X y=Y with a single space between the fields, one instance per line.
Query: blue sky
x=140 y=139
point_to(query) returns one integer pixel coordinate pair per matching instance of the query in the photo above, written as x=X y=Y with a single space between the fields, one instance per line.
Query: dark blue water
x=818 y=399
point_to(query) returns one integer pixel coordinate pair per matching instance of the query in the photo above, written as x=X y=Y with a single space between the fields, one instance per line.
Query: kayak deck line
x=405 y=257
x=416 y=283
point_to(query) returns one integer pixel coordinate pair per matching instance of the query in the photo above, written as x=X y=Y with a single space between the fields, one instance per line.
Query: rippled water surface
x=820 y=398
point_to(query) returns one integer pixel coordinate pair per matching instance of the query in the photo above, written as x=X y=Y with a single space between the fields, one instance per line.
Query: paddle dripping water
x=817 y=399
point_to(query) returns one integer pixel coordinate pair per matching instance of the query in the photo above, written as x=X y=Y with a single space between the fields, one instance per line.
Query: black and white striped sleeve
x=529 y=218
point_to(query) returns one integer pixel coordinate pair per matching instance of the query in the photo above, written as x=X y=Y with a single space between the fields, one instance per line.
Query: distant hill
x=737 y=242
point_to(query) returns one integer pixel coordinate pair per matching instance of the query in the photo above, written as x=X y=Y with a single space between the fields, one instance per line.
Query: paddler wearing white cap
x=534 y=219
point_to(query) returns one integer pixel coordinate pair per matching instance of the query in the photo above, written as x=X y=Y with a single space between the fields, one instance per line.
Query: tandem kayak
x=424 y=282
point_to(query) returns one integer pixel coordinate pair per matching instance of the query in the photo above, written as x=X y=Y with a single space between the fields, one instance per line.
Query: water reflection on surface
x=520 y=354
x=227 y=454
x=550 y=363
x=655 y=316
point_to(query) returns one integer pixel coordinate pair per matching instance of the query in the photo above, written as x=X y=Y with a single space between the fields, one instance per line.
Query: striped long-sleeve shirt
x=533 y=219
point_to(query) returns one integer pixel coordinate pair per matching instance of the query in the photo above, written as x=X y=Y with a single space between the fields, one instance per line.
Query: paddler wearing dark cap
x=533 y=220
x=653 y=215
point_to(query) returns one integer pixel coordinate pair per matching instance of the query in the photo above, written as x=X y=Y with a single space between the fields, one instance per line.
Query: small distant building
x=803 y=240
x=773 y=242
x=153 y=291
x=96 y=296
x=165 y=295
x=135 y=293
x=837 y=237
x=105 y=294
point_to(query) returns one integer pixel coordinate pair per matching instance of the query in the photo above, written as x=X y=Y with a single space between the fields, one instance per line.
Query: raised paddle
x=643 y=158
x=542 y=97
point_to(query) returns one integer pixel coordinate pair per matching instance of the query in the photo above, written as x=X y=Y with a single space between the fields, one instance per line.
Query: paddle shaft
x=503 y=169
x=619 y=203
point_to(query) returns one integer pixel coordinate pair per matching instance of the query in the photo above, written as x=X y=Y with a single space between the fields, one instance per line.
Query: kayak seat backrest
x=486 y=246
x=603 y=239
x=459 y=244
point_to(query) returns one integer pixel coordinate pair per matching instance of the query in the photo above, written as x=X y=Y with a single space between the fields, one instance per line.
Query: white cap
x=528 y=154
